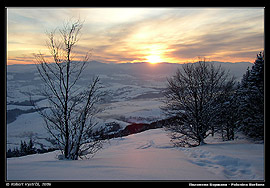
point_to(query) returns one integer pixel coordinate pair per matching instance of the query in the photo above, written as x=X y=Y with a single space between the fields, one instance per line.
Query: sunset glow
x=154 y=35
x=154 y=59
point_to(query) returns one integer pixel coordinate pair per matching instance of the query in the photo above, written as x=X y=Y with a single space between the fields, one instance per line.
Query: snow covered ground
x=133 y=95
x=148 y=156
x=130 y=94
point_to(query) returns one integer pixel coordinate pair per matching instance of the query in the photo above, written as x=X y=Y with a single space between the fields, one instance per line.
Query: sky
x=121 y=35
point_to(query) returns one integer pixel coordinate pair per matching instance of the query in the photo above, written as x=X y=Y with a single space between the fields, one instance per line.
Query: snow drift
x=148 y=156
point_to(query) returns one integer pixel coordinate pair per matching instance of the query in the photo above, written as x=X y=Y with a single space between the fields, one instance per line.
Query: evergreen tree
x=251 y=100
x=23 y=148
x=227 y=116
x=16 y=152
x=30 y=147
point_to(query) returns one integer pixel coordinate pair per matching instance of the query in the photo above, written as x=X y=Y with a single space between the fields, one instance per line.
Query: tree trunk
x=201 y=140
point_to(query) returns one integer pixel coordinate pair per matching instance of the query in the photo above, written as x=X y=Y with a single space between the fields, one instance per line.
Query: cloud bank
x=121 y=35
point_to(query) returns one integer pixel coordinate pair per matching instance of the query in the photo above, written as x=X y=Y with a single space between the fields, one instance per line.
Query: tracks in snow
x=230 y=167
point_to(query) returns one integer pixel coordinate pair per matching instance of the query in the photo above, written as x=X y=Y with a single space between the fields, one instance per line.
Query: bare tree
x=193 y=98
x=69 y=116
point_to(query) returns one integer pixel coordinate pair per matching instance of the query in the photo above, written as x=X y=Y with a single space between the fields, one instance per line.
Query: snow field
x=31 y=125
x=129 y=90
x=134 y=108
x=27 y=126
x=147 y=156
x=144 y=156
x=244 y=164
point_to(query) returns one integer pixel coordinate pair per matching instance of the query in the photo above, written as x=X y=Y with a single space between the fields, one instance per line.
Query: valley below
x=134 y=95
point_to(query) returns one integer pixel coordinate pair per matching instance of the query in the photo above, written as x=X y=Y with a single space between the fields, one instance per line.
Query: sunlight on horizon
x=130 y=35
x=154 y=59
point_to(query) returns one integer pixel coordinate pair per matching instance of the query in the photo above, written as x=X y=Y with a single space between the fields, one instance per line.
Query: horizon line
x=140 y=62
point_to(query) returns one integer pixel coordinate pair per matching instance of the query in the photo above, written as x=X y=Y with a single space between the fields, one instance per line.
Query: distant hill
x=140 y=69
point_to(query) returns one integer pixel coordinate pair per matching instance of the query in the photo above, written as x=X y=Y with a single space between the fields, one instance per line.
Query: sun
x=153 y=59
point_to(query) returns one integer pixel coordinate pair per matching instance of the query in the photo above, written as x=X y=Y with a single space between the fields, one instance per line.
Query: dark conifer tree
x=251 y=100
x=30 y=148
x=23 y=148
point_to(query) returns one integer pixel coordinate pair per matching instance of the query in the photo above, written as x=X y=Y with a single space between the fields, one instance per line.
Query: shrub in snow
x=61 y=157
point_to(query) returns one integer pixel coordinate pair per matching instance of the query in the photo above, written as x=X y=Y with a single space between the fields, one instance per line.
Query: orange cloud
x=122 y=35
